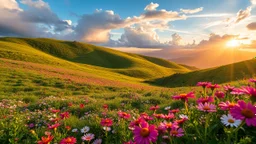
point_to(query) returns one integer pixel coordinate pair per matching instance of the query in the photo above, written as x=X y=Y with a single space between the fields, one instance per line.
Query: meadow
x=64 y=95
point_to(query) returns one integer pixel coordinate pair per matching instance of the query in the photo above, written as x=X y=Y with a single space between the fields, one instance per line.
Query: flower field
x=210 y=113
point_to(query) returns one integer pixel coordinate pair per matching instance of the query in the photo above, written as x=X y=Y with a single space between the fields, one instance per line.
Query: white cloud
x=151 y=7
x=243 y=14
x=253 y=2
x=191 y=11
x=36 y=3
x=69 y=22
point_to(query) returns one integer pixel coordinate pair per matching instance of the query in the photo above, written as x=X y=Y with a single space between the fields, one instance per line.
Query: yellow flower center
x=183 y=95
x=68 y=140
x=206 y=108
x=144 y=132
x=247 y=113
x=231 y=121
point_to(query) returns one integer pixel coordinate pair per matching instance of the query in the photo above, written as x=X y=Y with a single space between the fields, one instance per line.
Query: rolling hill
x=94 y=61
x=221 y=74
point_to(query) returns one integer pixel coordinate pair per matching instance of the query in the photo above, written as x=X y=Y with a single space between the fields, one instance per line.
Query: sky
x=181 y=30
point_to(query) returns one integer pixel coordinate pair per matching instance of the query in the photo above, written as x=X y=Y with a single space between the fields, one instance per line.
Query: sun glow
x=232 y=43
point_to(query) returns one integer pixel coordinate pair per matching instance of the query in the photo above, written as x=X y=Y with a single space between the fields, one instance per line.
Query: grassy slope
x=98 y=62
x=222 y=74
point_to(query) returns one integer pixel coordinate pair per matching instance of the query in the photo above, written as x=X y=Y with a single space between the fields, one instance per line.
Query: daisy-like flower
x=74 y=130
x=249 y=91
x=55 y=110
x=64 y=115
x=206 y=107
x=228 y=88
x=244 y=111
x=228 y=120
x=54 y=126
x=203 y=84
x=106 y=122
x=158 y=116
x=167 y=108
x=88 y=137
x=123 y=115
x=85 y=129
x=182 y=116
x=169 y=116
x=107 y=128
x=154 y=108
x=46 y=140
x=226 y=105
x=68 y=140
x=97 y=141
x=176 y=132
x=184 y=97
x=145 y=133
x=174 y=111
x=168 y=125
x=145 y=116
x=219 y=94
x=252 y=80
x=213 y=86
x=206 y=99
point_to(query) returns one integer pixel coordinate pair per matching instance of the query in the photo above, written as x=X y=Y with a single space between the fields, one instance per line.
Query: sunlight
x=232 y=43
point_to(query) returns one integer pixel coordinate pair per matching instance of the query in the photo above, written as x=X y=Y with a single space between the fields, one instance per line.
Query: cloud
x=191 y=11
x=253 y=2
x=251 y=26
x=176 y=39
x=151 y=7
x=243 y=14
x=37 y=4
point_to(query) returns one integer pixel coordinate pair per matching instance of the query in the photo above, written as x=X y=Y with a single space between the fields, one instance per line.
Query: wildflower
x=249 y=91
x=167 y=108
x=252 y=80
x=81 y=106
x=145 y=116
x=54 y=126
x=168 y=125
x=213 y=86
x=33 y=132
x=136 y=122
x=68 y=140
x=203 y=84
x=176 y=132
x=107 y=128
x=74 y=130
x=123 y=115
x=31 y=125
x=97 y=141
x=244 y=111
x=219 y=94
x=228 y=88
x=158 y=116
x=228 y=120
x=64 y=115
x=105 y=106
x=169 y=116
x=184 y=97
x=106 y=122
x=182 y=116
x=55 y=110
x=206 y=99
x=181 y=121
x=85 y=129
x=68 y=128
x=88 y=137
x=47 y=133
x=45 y=140
x=174 y=111
x=154 y=108
x=226 y=105
x=70 y=104
x=206 y=107
x=145 y=134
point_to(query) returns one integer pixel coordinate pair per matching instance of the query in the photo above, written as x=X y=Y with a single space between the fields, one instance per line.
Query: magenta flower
x=252 y=80
x=244 y=111
x=64 y=115
x=228 y=88
x=226 y=105
x=249 y=91
x=169 y=125
x=213 y=86
x=203 y=84
x=68 y=140
x=207 y=99
x=206 y=107
x=176 y=132
x=219 y=94
x=169 y=116
x=107 y=122
x=145 y=133
x=184 y=97
x=158 y=116
x=123 y=115
x=154 y=108
x=145 y=116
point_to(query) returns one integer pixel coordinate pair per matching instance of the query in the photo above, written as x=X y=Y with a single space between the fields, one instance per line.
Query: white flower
x=107 y=128
x=228 y=120
x=88 y=137
x=97 y=141
x=85 y=129
x=182 y=116
x=167 y=108
x=75 y=130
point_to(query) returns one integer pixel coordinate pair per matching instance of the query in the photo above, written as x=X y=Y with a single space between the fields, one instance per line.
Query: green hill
x=100 y=61
x=221 y=74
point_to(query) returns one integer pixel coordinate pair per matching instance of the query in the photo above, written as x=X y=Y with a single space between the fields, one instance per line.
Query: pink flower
x=88 y=137
x=158 y=116
x=213 y=86
x=64 y=115
x=145 y=134
x=145 y=116
x=219 y=94
x=129 y=142
x=252 y=80
x=68 y=140
x=174 y=111
x=226 y=105
x=169 y=116
x=154 y=108
x=123 y=115
x=203 y=84
x=244 y=111
x=206 y=107
x=184 y=97
x=176 y=132
x=136 y=122
x=55 y=110
x=54 y=126
x=207 y=99
x=169 y=125
x=107 y=122
x=45 y=140
x=228 y=88
x=249 y=91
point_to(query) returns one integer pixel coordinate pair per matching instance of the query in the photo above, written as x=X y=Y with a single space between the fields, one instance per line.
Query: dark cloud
x=251 y=26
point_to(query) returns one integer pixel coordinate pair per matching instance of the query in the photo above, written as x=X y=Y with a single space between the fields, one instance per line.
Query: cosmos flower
x=184 y=97
x=68 y=140
x=54 y=126
x=85 y=129
x=203 y=84
x=244 y=111
x=106 y=122
x=206 y=99
x=169 y=116
x=176 y=132
x=249 y=91
x=145 y=116
x=226 y=105
x=145 y=133
x=174 y=111
x=97 y=141
x=228 y=88
x=228 y=120
x=206 y=107
x=168 y=125
x=123 y=115
x=55 y=110
x=75 y=130
x=46 y=140
x=158 y=116
x=219 y=94
x=213 y=86
x=252 y=80
x=88 y=137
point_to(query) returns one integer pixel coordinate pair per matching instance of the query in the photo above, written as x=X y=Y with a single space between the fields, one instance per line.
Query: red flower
x=45 y=140
x=184 y=97
x=54 y=126
x=68 y=140
x=174 y=111
x=70 y=104
x=68 y=128
x=158 y=116
x=203 y=84
x=106 y=122
x=55 y=110
x=213 y=86
x=154 y=108
x=64 y=115
x=105 y=106
x=81 y=106
x=205 y=99
x=123 y=115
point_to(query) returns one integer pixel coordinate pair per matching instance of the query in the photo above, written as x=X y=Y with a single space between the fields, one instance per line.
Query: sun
x=232 y=43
